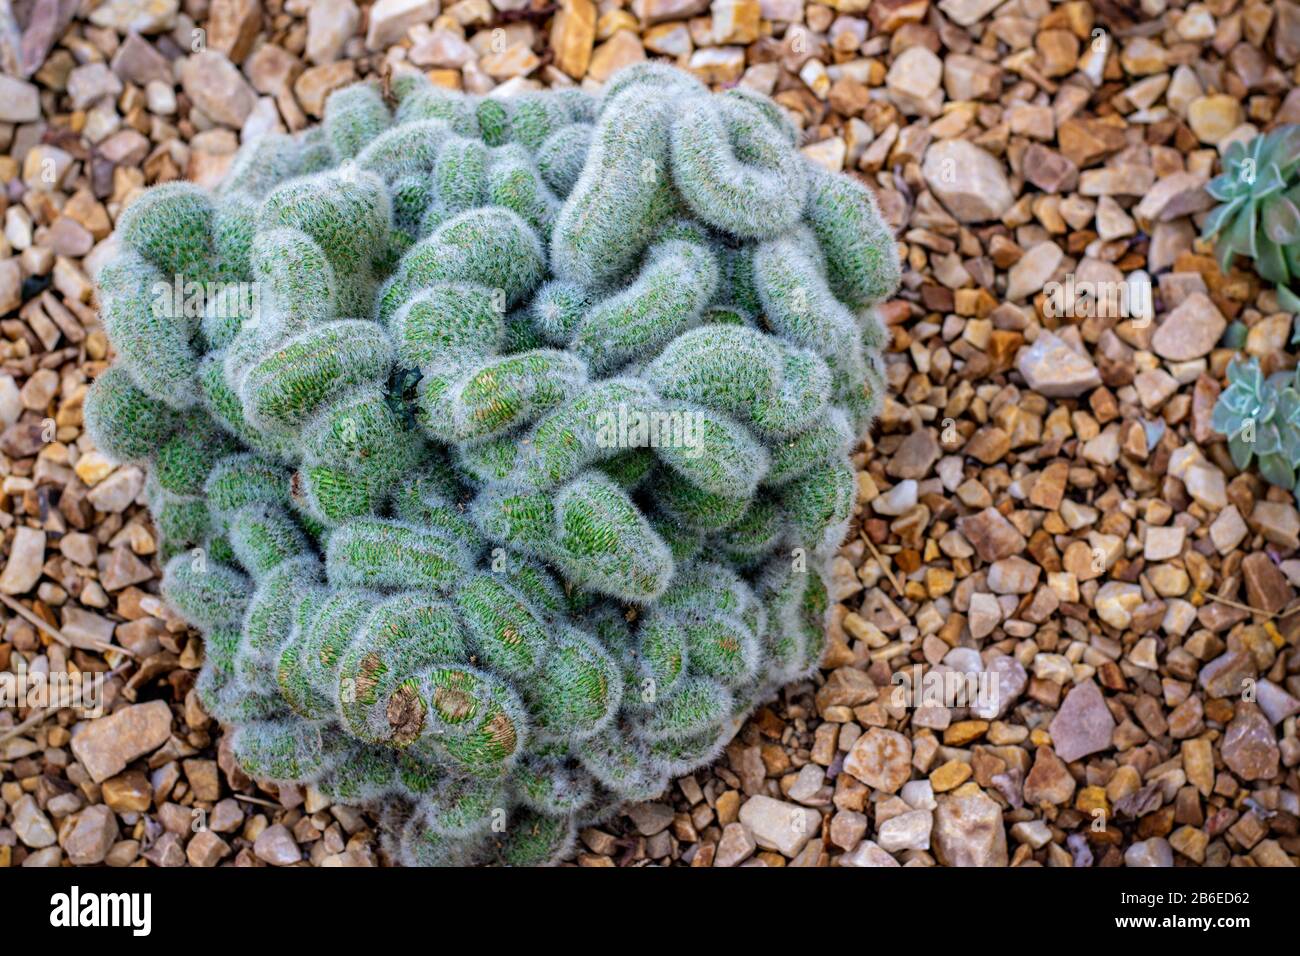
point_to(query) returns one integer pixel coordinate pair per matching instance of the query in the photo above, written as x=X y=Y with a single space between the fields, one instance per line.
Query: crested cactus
x=511 y=487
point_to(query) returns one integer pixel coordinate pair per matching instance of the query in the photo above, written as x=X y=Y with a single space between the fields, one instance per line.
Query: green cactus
x=513 y=488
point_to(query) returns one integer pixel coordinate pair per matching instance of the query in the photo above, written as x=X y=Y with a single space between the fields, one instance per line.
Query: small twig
x=259 y=801
x=1242 y=607
x=36 y=621
x=34 y=718
x=884 y=567
x=42 y=714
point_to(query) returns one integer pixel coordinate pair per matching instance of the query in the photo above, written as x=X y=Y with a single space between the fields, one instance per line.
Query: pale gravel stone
x=91 y=836
x=136 y=16
x=881 y=759
x=1163 y=543
x=808 y=784
x=1054 y=369
x=907 y=831
x=779 y=826
x=10 y=404
x=868 y=854
x=330 y=23
x=1028 y=276
x=1034 y=832
x=1190 y=331
x=984 y=615
x=1009 y=681
x=736 y=846
x=92 y=82
x=49 y=857
x=967 y=12
x=19 y=101
x=968 y=831
x=1278 y=521
x=898 y=500
x=1116 y=601
x=107 y=744
x=918 y=794
x=1154 y=852
x=114 y=494
x=1083 y=725
x=217 y=87
x=913 y=80
x=969 y=181
x=390 y=19
x=22 y=568
x=276 y=845
x=651 y=817
x=1013 y=575
x=31 y=825
x=1205 y=483
x=85 y=629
